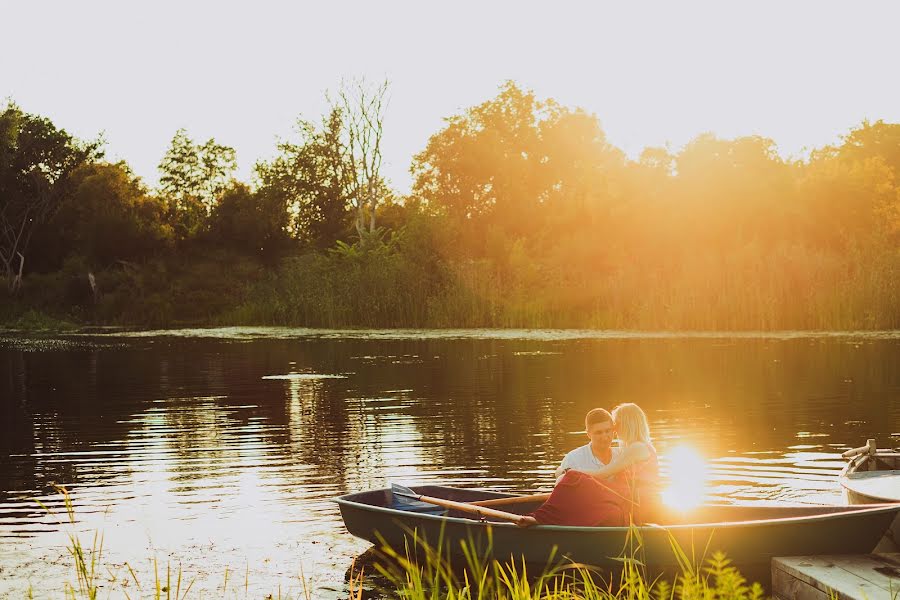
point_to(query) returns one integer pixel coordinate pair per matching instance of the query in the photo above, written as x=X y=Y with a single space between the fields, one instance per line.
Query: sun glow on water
x=687 y=478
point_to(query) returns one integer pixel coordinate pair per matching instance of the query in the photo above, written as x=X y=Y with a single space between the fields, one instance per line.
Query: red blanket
x=580 y=500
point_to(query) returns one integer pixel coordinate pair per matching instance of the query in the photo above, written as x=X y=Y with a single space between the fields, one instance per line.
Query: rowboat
x=872 y=476
x=749 y=535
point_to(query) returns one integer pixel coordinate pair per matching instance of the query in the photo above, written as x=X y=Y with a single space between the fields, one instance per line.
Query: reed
x=791 y=286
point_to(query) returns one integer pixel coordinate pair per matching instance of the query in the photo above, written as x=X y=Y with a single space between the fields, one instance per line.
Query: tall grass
x=87 y=561
x=406 y=280
x=425 y=572
x=750 y=288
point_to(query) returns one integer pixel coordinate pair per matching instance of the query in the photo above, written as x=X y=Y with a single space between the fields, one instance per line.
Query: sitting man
x=578 y=498
x=598 y=424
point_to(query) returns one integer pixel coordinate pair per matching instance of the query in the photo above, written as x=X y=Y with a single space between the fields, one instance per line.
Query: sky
x=654 y=73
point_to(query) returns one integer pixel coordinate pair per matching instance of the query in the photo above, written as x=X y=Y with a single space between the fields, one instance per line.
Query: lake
x=219 y=451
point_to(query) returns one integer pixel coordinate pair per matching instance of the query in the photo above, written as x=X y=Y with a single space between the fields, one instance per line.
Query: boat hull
x=875 y=479
x=777 y=531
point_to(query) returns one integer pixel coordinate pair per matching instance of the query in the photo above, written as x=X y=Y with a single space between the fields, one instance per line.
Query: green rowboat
x=749 y=535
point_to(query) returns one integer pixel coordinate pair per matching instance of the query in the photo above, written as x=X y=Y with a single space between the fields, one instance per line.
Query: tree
x=731 y=192
x=869 y=140
x=878 y=143
x=311 y=181
x=112 y=217
x=37 y=163
x=847 y=199
x=362 y=109
x=193 y=177
x=253 y=222
x=519 y=168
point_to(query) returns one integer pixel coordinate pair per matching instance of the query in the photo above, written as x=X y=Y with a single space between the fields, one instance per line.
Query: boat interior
x=882 y=460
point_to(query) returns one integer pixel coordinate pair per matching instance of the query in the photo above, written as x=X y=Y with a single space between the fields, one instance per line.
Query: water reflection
x=686 y=474
x=221 y=450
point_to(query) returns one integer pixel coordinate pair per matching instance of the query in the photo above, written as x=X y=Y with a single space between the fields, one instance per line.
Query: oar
x=869 y=448
x=542 y=497
x=405 y=492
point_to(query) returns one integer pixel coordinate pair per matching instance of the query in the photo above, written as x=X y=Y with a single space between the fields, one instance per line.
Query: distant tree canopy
x=37 y=164
x=112 y=216
x=522 y=213
x=310 y=180
x=331 y=179
x=515 y=168
x=193 y=176
x=252 y=222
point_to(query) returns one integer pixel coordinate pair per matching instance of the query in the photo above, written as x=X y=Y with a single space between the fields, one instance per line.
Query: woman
x=637 y=462
x=622 y=492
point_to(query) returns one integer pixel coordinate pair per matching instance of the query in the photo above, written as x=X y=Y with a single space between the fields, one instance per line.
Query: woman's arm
x=631 y=454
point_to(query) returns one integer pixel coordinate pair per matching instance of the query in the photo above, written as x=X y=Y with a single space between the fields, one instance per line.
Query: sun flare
x=687 y=478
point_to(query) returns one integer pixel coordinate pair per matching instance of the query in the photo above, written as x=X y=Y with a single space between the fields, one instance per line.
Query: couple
x=601 y=485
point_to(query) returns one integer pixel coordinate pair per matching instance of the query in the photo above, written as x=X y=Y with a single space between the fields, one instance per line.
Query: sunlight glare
x=687 y=478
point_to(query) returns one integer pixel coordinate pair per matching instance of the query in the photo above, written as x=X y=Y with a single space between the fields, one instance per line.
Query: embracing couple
x=601 y=485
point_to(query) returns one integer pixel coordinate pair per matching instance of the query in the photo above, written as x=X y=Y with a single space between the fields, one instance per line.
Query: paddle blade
x=403 y=498
x=399 y=490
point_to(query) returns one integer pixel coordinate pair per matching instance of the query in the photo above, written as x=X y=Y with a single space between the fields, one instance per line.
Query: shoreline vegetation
x=522 y=215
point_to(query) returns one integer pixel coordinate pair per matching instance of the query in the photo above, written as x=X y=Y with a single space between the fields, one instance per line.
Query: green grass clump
x=425 y=572
x=34 y=320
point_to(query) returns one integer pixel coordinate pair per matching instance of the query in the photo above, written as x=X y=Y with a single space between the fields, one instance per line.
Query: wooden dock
x=845 y=577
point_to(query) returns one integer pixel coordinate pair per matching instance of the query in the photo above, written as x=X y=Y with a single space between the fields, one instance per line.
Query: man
x=598 y=424
x=578 y=499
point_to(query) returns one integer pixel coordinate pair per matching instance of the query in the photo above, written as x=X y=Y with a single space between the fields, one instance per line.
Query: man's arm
x=629 y=455
x=564 y=466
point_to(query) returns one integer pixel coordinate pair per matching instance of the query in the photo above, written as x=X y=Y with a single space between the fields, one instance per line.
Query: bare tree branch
x=363 y=107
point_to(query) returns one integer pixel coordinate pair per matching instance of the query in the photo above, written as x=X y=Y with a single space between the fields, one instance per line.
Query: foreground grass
x=427 y=574
x=424 y=572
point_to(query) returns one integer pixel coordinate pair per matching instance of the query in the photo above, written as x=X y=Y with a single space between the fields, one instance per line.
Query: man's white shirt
x=582 y=459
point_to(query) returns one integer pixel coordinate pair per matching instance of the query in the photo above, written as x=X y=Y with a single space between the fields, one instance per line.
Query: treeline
x=522 y=214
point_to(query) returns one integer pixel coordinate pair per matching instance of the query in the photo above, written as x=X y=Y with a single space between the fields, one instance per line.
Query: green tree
x=193 y=176
x=112 y=217
x=37 y=163
x=310 y=179
x=253 y=222
x=516 y=167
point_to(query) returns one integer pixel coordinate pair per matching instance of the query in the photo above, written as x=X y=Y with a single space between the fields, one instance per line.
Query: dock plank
x=850 y=577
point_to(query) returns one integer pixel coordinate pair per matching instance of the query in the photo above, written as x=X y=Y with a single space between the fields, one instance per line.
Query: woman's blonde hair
x=631 y=423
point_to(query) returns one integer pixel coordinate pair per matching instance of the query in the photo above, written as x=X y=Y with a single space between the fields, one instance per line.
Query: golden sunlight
x=687 y=478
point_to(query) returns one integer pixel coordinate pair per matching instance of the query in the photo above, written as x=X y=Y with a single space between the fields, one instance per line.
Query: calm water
x=219 y=450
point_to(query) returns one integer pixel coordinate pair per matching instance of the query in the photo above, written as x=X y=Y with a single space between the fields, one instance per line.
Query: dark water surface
x=219 y=450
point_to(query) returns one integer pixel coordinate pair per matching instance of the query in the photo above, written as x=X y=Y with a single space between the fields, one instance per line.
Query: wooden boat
x=750 y=535
x=872 y=476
